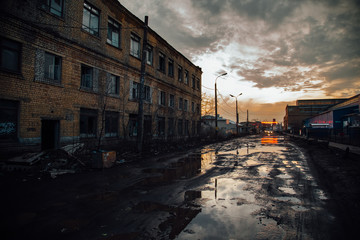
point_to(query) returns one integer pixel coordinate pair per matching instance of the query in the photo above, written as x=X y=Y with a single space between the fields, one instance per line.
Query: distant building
x=70 y=72
x=295 y=116
x=226 y=127
x=339 y=122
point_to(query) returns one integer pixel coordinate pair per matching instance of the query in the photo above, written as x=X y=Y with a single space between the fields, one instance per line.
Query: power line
x=207 y=87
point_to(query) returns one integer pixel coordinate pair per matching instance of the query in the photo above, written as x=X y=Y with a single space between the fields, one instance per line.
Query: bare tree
x=207 y=104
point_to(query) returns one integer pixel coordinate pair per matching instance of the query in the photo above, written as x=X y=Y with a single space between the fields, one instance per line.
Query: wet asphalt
x=257 y=187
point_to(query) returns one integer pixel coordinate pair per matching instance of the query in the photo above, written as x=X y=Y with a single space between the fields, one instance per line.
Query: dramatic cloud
x=307 y=48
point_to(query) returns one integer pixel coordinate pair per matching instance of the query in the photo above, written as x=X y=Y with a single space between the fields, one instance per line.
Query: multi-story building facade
x=295 y=116
x=70 y=71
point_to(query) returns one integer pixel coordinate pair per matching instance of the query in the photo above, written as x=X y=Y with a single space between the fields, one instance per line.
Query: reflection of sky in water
x=230 y=209
x=228 y=213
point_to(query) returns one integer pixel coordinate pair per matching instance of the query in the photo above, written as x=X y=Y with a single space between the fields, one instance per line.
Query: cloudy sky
x=274 y=51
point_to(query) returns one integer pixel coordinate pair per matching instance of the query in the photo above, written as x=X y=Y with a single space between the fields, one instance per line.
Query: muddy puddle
x=258 y=195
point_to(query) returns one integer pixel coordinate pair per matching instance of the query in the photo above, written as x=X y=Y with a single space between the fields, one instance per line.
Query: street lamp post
x=216 y=115
x=237 y=114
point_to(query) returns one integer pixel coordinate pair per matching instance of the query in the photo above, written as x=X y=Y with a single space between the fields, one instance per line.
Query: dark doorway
x=50 y=134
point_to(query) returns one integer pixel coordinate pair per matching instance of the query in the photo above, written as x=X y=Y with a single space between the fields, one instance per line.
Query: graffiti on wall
x=7 y=128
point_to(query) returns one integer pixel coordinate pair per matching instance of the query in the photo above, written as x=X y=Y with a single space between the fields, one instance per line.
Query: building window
x=171 y=68
x=149 y=55
x=172 y=101
x=186 y=127
x=133 y=125
x=180 y=74
x=193 y=82
x=170 y=126
x=135 y=92
x=161 y=126
x=113 y=84
x=192 y=107
x=91 y=19
x=54 y=6
x=186 y=80
x=180 y=103
x=113 y=36
x=8 y=119
x=162 y=98
x=185 y=105
x=197 y=108
x=88 y=123
x=135 y=46
x=52 y=67
x=147 y=93
x=193 y=128
x=180 y=127
x=87 y=77
x=198 y=84
x=111 y=124
x=161 y=62
x=10 y=55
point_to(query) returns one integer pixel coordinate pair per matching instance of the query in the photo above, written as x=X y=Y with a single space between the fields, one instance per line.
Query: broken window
x=162 y=98
x=10 y=55
x=52 y=68
x=113 y=36
x=161 y=62
x=54 y=6
x=149 y=55
x=91 y=19
x=180 y=103
x=172 y=101
x=135 y=92
x=89 y=78
x=180 y=74
x=186 y=80
x=135 y=45
x=88 y=123
x=113 y=84
x=111 y=124
x=185 y=105
x=171 y=68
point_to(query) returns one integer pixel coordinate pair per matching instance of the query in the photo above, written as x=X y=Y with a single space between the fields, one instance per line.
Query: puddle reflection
x=269 y=140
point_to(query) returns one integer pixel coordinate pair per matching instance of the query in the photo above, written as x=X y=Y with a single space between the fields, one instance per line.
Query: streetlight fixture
x=216 y=115
x=237 y=113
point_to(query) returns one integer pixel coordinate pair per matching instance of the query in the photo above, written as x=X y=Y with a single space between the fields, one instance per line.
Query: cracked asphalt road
x=258 y=187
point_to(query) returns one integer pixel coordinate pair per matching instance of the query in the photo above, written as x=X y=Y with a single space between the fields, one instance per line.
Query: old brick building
x=69 y=66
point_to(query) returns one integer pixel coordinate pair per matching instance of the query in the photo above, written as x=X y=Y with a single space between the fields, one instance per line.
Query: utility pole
x=237 y=113
x=140 y=136
x=216 y=114
x=247 y=120
x=237 y=119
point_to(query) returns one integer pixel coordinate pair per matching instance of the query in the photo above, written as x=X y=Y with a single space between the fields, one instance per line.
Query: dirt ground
x=339 y=174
